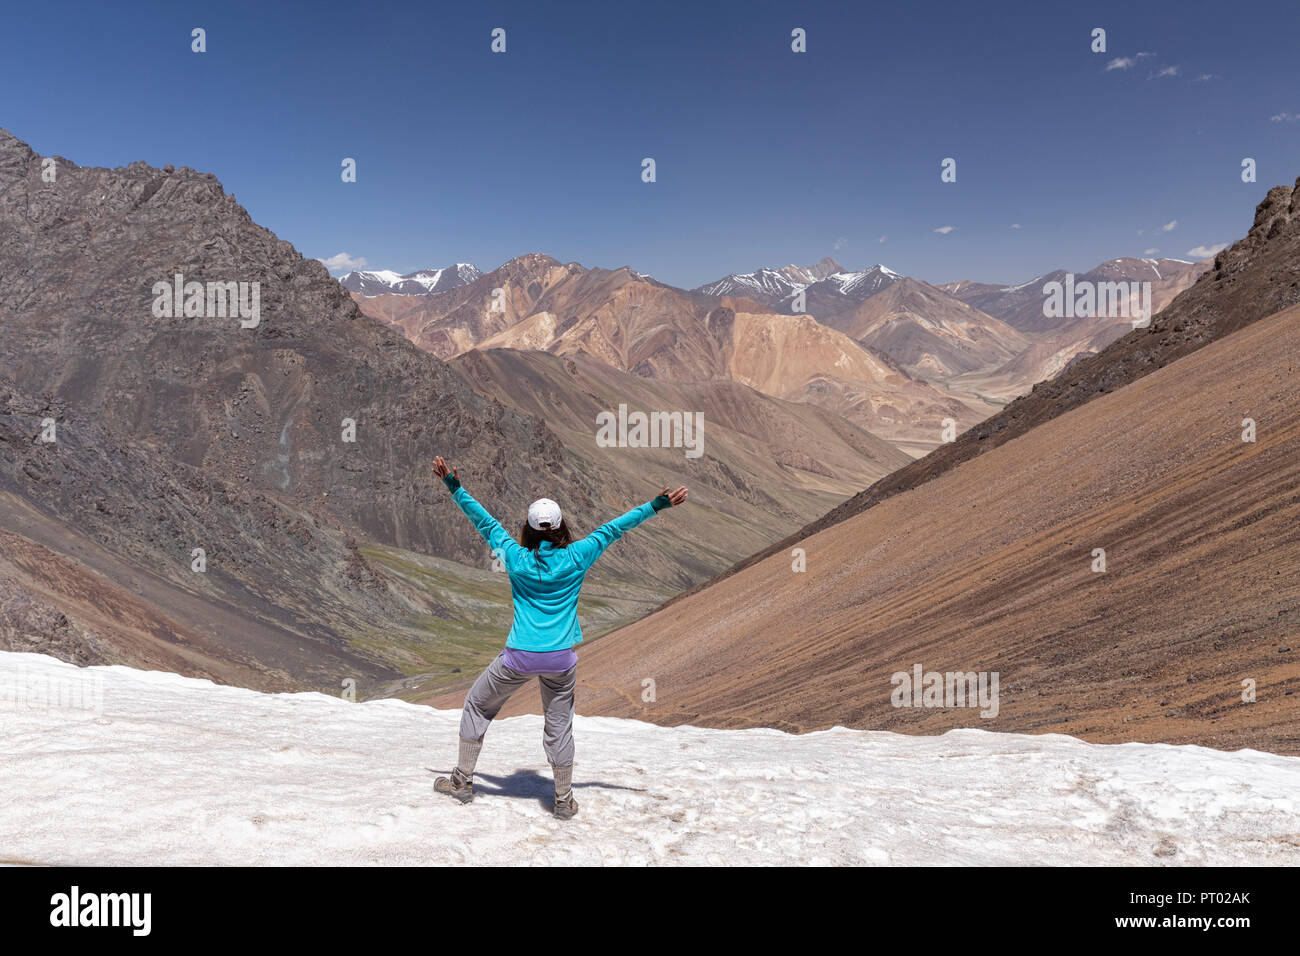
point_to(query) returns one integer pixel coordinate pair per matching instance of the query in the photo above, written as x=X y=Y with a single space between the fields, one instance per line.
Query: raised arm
x=497 y=537
x=588 y=549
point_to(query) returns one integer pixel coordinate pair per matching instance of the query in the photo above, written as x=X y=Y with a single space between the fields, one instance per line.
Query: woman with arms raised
x=546 y=568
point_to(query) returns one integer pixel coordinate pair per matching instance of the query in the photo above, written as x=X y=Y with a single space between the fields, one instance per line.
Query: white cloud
x=1128 y=62
x=343 y=261
x=1169 y=226
x=1285 y=118
x=839 y=243
x=1204 y=252
x=1206 y=76
x=1150 y=252
x=944 y=230
x=1015 y=225
x=881 y=239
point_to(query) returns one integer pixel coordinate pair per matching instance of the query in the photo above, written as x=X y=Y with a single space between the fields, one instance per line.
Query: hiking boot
x=458 y=786
x=566 y=806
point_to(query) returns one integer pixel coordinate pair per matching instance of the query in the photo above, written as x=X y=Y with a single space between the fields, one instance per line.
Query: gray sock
x=563 y=780
x=468 y=756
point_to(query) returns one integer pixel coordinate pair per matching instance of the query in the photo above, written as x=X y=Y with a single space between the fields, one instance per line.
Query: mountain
x=652 y=330
x=262 y=406
x=826 y=266
x=985 y=344
x=447 y=325
x=828 y=288
x=97 y=533
x=772 y=287
x=1021 y=306
x=840 y=292
x=931 y=334
x=384 y=282
x=1055 y=342
x=168 y=771
x=798 y=358
x=924 y=331
x=1136 y=450
x=763 y=463
x=1044 y=358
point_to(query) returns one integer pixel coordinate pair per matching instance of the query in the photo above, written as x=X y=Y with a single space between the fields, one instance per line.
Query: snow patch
x=173 y=770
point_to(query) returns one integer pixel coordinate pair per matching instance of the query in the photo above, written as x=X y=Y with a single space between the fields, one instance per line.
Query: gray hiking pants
x=494 y=687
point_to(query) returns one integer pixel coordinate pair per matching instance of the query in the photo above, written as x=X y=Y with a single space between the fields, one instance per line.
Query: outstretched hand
x=677 y=497
x=442 y=471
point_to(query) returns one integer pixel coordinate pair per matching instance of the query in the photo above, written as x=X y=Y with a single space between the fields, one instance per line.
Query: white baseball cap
x=544 y=511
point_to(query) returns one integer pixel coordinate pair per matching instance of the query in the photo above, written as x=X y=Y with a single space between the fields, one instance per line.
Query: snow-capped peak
x=1017 y=288
x=421 y=282
x=860 y=285
x=782 y=284
x=380 y=275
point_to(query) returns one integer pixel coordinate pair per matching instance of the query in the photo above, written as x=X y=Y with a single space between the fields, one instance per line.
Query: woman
x=546 y=568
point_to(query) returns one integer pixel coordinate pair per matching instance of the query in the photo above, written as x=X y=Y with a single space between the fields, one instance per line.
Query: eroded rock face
x=98 y=535
x=262 y=406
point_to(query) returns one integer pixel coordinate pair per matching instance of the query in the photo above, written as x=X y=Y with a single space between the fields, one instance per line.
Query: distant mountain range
x=827 y=286
x=770 y=287
x=640 y=325
x=896 y=355
x=1021 y=306
x=423 y=282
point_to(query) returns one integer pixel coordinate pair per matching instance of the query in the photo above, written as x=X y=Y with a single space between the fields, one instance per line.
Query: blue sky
x=763 y=156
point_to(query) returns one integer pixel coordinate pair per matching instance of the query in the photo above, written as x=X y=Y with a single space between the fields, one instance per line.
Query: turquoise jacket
x=545 y=583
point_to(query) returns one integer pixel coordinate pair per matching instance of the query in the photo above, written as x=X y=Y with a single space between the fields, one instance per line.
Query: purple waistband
x=539 y=662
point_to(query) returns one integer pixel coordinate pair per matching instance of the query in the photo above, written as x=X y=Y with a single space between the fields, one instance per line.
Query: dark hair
x=559 y=537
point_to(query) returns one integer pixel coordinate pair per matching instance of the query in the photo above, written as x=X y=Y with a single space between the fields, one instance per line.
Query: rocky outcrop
x=261 y=406
x=276 y=569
